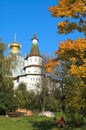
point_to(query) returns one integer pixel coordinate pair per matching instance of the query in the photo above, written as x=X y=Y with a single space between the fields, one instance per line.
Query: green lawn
x=30 y=123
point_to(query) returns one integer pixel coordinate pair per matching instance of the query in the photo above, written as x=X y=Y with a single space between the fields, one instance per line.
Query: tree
x=21 y=95
x=71 y=53
x=7 y=100
x=2 y=48
x=75 y=9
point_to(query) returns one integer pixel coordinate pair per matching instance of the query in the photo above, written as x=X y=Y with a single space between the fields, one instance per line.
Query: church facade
x=28 y=70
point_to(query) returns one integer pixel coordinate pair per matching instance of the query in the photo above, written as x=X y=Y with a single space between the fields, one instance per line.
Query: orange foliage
x=68 y=8
x=79 y=46
x=51 y=64
x=73 y=9
x=79 y=71
x=73 y=59
x=73 y=51
x=70 y=50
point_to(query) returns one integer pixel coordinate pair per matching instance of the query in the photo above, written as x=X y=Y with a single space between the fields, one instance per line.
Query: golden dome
x=14 y=47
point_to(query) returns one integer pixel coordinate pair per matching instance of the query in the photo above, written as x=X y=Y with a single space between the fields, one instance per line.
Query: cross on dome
x=15 y=37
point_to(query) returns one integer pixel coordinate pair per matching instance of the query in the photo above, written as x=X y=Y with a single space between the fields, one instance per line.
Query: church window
x=35 y=71
x=35 y=59
x=33 y=78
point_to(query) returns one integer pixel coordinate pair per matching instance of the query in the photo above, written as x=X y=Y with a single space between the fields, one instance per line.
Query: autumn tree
x=71 y=53
x=74 y=12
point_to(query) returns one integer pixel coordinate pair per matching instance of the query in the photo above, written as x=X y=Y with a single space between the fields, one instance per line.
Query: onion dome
x=15 y=47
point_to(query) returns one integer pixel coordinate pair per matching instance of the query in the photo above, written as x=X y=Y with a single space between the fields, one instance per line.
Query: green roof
x=34 y=50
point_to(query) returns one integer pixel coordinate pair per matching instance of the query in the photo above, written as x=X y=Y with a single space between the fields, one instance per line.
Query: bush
x=2 y=111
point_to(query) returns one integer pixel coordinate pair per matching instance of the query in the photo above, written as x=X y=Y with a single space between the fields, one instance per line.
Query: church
x=28 y=70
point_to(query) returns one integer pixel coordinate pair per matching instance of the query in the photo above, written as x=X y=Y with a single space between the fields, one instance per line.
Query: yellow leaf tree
x=72 y=52
x=75 y=9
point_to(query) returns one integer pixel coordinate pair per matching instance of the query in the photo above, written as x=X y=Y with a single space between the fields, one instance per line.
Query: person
x=62 y=121
x=55 y=121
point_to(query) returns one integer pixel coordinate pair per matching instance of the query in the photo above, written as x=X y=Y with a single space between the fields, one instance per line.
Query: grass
x=31 y=123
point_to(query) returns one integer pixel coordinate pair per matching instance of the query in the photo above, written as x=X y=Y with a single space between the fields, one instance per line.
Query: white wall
x=33 y=70
x=31 y=81
x=34 y=60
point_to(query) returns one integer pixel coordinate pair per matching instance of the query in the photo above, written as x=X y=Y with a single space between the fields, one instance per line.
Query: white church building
x=28 y=70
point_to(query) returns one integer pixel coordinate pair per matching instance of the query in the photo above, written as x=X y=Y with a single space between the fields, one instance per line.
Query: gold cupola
x=15 y=47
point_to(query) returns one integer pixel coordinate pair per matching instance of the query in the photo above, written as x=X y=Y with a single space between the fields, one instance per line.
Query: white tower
x=33 y=66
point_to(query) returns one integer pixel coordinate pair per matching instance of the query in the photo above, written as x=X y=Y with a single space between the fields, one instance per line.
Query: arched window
x=35 y=59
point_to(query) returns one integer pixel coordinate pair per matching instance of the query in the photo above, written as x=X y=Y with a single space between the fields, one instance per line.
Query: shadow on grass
x=48 y=125
x=42 y=125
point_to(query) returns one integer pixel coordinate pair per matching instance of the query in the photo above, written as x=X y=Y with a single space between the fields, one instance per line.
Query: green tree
x=7 y=100
x=42 y=92
x=21 y=95
x=26 y=99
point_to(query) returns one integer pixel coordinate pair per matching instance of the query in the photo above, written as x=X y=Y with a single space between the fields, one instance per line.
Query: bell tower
x=33 y=66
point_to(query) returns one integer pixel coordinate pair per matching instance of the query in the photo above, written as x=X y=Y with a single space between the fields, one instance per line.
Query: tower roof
x=34 y=50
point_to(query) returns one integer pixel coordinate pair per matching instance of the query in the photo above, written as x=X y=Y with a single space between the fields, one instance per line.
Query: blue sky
x=26 y=17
